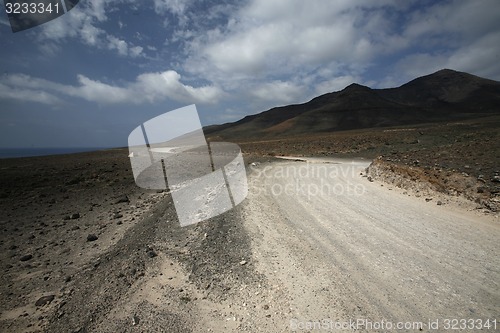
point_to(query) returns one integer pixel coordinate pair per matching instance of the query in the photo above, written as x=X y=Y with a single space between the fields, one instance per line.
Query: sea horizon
x=44 y=151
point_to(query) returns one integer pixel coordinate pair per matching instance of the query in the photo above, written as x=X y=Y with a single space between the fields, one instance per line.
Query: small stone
x=44 y=300
x=117 y=215
x=152 y=254
x=266 y=307
x=495 y=179
x=26 y=257
x=91 y=237
x=243 y=262
x=122 y=199
x=135 y=320
x=428 y=199
x=439 y=203
x=75 y=216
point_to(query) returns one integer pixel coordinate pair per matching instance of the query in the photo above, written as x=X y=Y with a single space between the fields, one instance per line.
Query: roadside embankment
x=430 y=182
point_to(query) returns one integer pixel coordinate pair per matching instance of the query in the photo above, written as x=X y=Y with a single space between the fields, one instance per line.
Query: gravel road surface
x=337 y=247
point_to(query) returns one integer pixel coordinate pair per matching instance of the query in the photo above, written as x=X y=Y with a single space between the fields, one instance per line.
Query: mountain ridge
x=445 y=95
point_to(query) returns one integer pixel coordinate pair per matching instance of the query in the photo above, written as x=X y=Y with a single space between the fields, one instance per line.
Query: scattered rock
x=185 y=299
x=495 y=179
x=370 y=179
x=428 y=199
x=117 y=215
x=439 y=203
x=91 y=237
x=243 y=262
x=152 y=254
x=75 y=181
x=122 y=199
x=44 y=300
x=75 y=216
x=135 y=320
x=493 y=206
x=26 y=257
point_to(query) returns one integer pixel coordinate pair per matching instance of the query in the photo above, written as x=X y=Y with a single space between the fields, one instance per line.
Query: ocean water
x=27 y=152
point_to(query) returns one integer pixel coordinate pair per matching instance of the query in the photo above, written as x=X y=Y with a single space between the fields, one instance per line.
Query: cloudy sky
x=91 y=76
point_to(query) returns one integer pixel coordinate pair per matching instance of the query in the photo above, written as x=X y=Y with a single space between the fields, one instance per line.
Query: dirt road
x=341 y=248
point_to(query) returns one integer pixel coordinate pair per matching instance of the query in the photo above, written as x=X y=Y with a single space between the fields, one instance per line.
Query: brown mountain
x=446 y=95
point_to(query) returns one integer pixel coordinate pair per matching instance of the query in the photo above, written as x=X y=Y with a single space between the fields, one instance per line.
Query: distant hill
x=446 y=95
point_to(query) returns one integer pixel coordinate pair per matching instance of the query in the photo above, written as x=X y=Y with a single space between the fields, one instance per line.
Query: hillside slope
x=446 y=95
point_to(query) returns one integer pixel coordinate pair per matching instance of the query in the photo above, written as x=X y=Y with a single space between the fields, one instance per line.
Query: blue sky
x=89 y=77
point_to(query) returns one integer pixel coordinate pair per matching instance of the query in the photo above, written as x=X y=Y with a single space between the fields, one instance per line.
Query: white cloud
x=278 y=91
x=278 y=37
x=96 y=91
x=82 y=22
x=28 y=95
x=135 y=51
x=117 y=44
x=167 y=84
x=90 y=34
x=482 y=56
x=294 y=40
x=459 y=19
x=176 y=7
x=461 y=35
x=147 y=88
